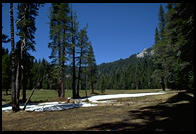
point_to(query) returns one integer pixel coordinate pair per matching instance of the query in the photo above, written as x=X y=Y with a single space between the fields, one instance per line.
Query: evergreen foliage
x=91 y=65
x=82 y=59
x=59 y=20
x=174 y=53
x=25 y=30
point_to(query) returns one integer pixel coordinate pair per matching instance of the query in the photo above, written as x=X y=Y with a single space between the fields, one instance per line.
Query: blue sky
x=116 y=30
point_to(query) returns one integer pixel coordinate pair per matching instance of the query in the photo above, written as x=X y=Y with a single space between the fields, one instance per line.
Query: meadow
x=43 y=95
x=154 y=112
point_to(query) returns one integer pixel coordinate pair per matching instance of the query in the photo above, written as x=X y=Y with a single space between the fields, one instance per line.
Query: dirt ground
x=170 y=111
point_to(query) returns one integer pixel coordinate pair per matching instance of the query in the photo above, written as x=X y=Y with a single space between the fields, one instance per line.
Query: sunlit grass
x=42 y=95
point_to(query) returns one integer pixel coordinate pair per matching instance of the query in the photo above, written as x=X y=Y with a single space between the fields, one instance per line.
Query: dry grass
x=135 y=114
x=51 y=95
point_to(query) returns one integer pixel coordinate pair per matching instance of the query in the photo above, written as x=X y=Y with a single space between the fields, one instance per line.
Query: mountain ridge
x=134 y=72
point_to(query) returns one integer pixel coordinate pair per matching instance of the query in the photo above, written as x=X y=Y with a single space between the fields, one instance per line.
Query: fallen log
x=27 y=101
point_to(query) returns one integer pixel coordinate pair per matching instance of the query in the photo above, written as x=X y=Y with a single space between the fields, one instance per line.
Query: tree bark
x=62 y=74
x=15 y=105
x=92 y=87
x=73 y=73
x=22 y=71
x=18 y=77
x=59 y=60
x=74 y=93
x=79 y=73
x=163 y=83
x=19 y=73
x=24 y=83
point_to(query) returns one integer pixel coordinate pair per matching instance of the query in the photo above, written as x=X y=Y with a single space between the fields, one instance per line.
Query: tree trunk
x=79 y=73
x=78 y=83
x=62 y=94
x=163 y=83
x=85 y=83
x=73 y=66
x=86 y=92
x=24 y=83
x=92 y=87
x=24 y=91
x=15 y=105
x=18 y=77
x=59 y=60
x=62 y=66
x=73 y=73
x=22 y=71
x=91 y=82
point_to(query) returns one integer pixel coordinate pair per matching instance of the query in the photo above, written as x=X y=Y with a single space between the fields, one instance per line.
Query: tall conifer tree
x=82 y=46
x=59 y=19
x=73 y=46
x=15 y=103
x=91 y=64
x=26 y=30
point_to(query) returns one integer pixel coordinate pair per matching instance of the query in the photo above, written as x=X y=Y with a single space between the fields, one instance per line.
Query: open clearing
x=43 y=95
x=153 y=112
x=86 y=102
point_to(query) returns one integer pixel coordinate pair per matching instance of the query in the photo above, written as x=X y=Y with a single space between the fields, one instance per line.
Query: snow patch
x=50 y=106
x=142 y=54
x=57 y=106
x=95 y=99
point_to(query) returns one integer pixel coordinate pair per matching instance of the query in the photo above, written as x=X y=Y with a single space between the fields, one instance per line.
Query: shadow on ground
x=176 y=114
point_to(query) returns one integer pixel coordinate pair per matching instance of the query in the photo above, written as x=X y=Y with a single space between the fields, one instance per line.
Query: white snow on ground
x=54 y=106
x=95 y=99
x=51 y=106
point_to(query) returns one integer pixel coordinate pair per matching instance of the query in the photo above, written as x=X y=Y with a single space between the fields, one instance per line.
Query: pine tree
x=59 y=20
x=180 y=41
x=102 y=83
x=74 y=39
x=64 y=21
x=26 y=29
x=55 y=43
x=91 y=65
x=15 y=102
x=82 y=46
x=174 y=53
x=162 y=21
x=157 y=38
x=159 y=50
